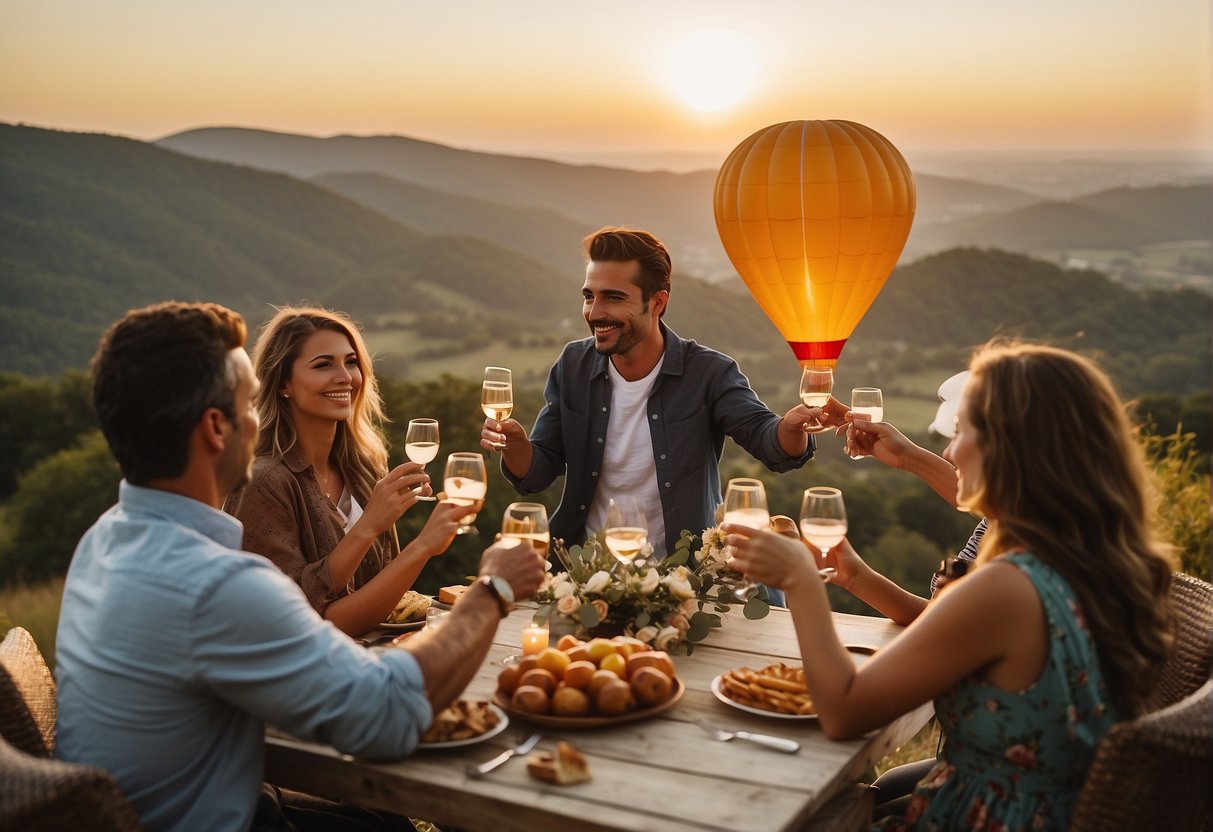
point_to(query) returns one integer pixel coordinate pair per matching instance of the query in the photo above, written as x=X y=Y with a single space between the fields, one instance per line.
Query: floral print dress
x=1016 y=760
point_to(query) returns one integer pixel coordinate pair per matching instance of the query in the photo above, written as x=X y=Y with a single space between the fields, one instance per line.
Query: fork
x=521 y=748
x=777 y=743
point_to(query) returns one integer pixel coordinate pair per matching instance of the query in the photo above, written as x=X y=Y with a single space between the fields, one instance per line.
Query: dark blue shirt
x=700 y=397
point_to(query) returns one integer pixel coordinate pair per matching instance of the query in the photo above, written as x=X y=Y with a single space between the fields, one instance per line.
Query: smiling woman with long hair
x=1060 y=630
x=322 y=504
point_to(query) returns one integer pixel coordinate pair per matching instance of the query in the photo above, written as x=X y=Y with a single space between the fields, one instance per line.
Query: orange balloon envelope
x=814 y=215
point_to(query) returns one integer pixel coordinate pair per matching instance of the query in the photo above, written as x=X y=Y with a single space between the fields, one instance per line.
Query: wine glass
x=497 y=396
x=421 y=444
x=466 y=482
x=823 y=520
x=867 y=401
x=745 y=503
x=526 y=522
x=816 y=384
x=626 y=530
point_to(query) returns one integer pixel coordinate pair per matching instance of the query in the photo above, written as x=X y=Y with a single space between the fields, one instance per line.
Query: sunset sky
x=553 y=76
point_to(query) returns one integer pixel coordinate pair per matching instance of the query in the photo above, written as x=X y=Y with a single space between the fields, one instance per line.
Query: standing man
x=636 y=410
x=175 y=649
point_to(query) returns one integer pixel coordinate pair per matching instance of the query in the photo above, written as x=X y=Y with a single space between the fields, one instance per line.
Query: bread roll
x=566 y=767
x=451 y=594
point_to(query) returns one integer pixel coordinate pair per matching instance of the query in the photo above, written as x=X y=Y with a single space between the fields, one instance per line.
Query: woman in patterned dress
x=1060 y=630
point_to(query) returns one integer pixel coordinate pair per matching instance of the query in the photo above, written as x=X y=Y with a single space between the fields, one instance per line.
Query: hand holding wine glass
x=745 y=503
x=823 y=520
x=816 y=384
x=497 y=396
x=626 y=530
x=867 y=403
x=526 y=522
x=466 y=483
x=421 y=443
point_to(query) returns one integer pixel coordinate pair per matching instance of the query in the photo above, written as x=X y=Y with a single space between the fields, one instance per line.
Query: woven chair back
x=1153 y=772
x=27 y=695
x=1192 y=662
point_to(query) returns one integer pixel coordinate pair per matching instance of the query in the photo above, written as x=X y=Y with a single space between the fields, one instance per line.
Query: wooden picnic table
x=662 y=773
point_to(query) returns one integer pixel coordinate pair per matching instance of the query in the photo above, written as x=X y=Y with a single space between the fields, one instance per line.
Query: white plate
x=401 y=628
x=503 y=722
x=719 y=694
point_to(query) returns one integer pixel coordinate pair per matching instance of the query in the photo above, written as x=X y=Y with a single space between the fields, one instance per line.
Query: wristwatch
x=501 y=590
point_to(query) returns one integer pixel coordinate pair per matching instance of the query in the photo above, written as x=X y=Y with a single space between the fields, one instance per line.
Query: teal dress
x=1016 y=760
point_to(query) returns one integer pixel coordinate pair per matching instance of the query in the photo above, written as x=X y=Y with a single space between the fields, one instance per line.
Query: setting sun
x=712 y=70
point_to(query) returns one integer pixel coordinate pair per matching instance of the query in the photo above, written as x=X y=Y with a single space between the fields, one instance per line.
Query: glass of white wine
x=626 y=530
x=867 y=401
x=823 y=520
x=526 y=522
x=466 y=483
x=745 y=503
x=421 y=444
x=816 y=385
x=497 y=395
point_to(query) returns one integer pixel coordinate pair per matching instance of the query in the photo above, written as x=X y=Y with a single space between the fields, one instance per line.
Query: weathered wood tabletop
x=661 y=773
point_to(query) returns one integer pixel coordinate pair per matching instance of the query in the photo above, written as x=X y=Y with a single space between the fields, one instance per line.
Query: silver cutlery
x=778 y=743
x=522 y=748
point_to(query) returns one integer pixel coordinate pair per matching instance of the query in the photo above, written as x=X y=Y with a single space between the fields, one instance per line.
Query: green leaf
x=542 y=615
x=703 y=619
x=679 y=558
x=756 y=608
x=642 y=620
x=589 y=616
x=698 y=632
x=690 y=648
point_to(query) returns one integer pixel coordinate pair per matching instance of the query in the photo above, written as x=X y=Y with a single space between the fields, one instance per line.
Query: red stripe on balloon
x=817 y=350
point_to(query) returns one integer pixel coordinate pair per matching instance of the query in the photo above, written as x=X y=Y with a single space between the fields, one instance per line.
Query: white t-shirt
x=627 y=463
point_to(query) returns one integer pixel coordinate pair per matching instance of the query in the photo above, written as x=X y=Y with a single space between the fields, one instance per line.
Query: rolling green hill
x=545 y=235
x=92 y=225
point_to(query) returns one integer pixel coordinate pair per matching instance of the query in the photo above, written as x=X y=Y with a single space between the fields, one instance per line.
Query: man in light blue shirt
x=175 y=649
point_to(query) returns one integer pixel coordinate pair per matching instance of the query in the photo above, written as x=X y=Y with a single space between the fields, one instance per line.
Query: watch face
x=504 y=591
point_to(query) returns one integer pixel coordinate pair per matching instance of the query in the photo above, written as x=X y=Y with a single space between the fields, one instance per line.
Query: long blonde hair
x=359 y=449
x=1064 y=478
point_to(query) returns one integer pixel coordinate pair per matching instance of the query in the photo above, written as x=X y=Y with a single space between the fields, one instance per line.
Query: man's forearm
x=450 y=658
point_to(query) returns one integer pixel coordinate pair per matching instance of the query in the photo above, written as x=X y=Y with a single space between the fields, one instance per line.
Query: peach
x=599 y=648
x=651 y=658
x=554 y=661
x=600 y=678
x=570 y=702
x=530 y=700
x=650 y=685
x=616 y=663
x=507 y=680
x=579 y=674
x=539 y=678
x=615 y=698
x=567 y=642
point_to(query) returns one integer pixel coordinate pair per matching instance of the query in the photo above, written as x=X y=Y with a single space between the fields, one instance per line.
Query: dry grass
x=921 y=746
x=36 y=608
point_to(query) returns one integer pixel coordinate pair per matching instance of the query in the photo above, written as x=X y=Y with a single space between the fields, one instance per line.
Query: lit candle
x=534 y=640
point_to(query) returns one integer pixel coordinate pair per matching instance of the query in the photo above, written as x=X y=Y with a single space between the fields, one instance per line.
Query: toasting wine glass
x=626 y=530
x=421 y=444
x=526 y=522
x=745 y=503
x=497 y=396
x=816 y=384
x=867 y=401
x=823 y=520
x=466 y=482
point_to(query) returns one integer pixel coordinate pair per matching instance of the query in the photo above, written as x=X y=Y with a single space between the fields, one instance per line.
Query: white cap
x=949 y=402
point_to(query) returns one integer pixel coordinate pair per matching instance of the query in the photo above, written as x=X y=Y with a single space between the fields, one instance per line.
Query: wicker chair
x=37 y=792
x=1192 y=663
x=27 y=695
x=1153 y=772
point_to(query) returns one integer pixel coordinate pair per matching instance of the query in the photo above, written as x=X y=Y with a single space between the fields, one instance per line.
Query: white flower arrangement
x=662 y=603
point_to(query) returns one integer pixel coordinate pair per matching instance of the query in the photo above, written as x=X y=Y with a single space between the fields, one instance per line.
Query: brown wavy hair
x=359 y=450
x=1065 y=478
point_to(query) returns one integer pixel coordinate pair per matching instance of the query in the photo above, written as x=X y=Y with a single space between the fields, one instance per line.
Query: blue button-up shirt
x=699 y=398
x=174 y=650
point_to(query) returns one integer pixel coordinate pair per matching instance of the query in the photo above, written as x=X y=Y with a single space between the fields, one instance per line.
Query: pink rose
x=602 y=608
x=568 y=605
x=680 y=623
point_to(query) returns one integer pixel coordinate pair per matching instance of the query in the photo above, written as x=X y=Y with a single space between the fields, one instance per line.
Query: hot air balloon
x=814 y=215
